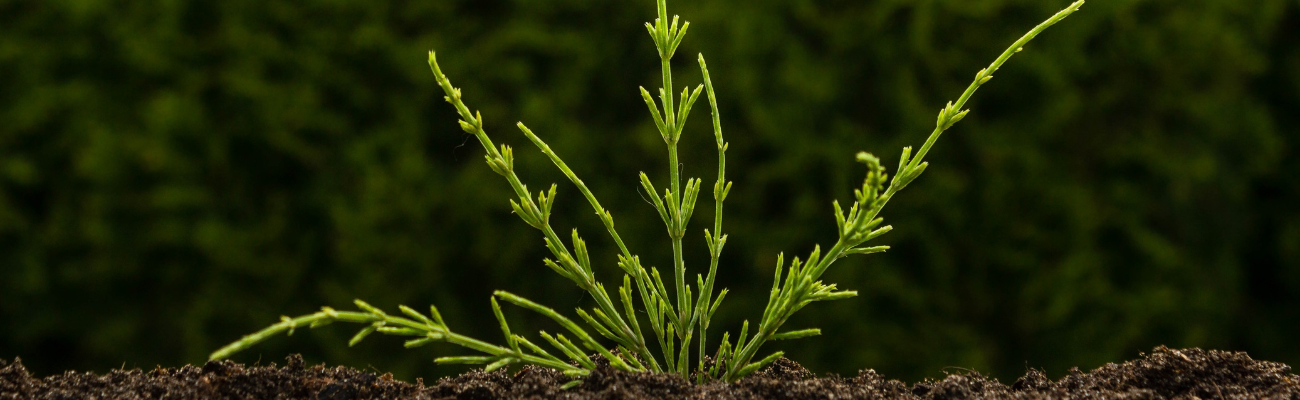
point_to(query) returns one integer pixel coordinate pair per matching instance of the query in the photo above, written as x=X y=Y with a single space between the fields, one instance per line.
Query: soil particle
x=1164 y=374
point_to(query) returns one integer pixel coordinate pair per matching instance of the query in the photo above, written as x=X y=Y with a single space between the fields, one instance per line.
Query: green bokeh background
x=175 y=174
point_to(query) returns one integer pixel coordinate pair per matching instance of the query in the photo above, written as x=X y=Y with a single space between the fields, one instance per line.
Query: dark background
x=175 y=174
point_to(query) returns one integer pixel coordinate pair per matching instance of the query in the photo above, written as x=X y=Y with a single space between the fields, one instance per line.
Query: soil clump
x=1163 y=374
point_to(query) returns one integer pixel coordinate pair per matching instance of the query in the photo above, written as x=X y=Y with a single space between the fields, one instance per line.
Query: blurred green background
x=176 y=174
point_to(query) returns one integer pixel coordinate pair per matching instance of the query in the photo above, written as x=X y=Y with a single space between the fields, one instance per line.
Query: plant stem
x=782 y=307
x=321 y=318
x=585 y=279
x=988 y=72
x=720 y=189
x=608 y=220
x=666 y=36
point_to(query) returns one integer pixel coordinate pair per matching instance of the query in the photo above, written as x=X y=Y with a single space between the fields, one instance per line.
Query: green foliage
x=673 y=323
x=176 y=175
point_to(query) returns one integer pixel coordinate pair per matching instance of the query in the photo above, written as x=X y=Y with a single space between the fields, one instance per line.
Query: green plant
x=674 y=317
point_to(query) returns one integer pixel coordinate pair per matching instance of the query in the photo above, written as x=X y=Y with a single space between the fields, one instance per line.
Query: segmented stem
x=422 y=329
x=803 y=283
x=673 y=321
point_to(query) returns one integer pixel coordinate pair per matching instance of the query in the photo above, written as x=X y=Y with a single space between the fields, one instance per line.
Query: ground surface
x=1165 y=373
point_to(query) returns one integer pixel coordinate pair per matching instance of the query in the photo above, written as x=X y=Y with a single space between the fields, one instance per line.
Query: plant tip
x=867 y=158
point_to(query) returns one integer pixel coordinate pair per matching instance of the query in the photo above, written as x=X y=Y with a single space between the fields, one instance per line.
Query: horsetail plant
x=673 y=317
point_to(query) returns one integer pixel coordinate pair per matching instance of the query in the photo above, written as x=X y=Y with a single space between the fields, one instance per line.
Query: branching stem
x=806 y=286
x=673 y=319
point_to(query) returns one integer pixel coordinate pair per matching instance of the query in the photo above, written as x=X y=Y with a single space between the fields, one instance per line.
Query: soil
x=1163 y=374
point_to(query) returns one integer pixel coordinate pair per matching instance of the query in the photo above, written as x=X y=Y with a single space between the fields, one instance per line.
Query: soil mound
x=1163 y=374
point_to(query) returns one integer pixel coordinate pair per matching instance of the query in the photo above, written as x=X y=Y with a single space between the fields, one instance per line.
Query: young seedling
x=675 y=317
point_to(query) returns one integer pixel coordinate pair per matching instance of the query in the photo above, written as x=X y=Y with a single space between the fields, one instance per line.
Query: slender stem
x=720 y=189
x=670 y=113
x=584 y=279
x=320 y=318
x=597 y=292
x=780 y=310
x=674 y=179
x=608 y=220
x=676 y=225
x=988 y=72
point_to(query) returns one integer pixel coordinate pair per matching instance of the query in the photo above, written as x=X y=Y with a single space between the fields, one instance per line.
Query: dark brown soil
x=1165 y=373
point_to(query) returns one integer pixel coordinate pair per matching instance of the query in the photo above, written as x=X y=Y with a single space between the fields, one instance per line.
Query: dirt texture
x=1163 y=374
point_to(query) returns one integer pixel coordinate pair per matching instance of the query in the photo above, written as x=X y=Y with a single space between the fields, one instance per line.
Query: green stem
x=720 y=189
x=789 y=302
x=676 y=225
x=988 y=72
x=322 y=318
x=608 y=220
x=584 y=279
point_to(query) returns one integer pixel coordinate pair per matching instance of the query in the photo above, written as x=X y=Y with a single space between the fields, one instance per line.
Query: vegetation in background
x=175 y=175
